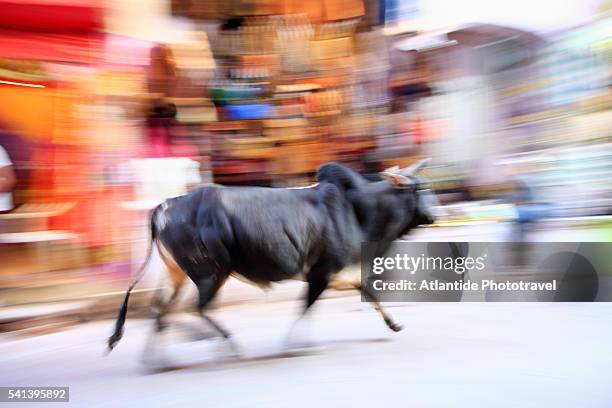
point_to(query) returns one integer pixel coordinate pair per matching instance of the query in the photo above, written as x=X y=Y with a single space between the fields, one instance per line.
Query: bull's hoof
x=113 y=340
x=395 y=327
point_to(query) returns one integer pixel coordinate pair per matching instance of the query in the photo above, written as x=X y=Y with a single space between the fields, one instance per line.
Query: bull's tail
x=114 y=339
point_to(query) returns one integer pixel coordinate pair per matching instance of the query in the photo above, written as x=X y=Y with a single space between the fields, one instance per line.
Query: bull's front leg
x=371 y=298
x=350 y=280
x=317 y=283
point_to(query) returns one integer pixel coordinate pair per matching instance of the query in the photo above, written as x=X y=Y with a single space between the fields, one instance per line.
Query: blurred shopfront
x=110 y=107
x=66 y=124
x=92 y=100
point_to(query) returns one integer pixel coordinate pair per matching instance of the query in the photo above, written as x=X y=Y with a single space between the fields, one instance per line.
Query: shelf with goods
x=286 y=82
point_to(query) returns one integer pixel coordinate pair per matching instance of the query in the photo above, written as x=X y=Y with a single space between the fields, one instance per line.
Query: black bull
x=272 y=234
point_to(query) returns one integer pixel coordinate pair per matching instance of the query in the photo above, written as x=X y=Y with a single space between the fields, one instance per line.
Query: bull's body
x=268 y=235
x=263 y=234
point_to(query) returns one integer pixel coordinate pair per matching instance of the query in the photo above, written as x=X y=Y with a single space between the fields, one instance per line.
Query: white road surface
x=449 y=355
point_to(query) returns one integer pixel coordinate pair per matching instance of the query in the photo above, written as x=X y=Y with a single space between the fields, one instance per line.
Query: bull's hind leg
x=208 y=287
x=163 y=299
x=168 y=291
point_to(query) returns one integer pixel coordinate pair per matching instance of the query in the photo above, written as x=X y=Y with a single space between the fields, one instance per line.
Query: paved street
x=449 y=354
x=472 y=355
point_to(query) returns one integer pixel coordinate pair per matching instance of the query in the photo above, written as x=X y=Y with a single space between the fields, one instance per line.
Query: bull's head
x=409 y=180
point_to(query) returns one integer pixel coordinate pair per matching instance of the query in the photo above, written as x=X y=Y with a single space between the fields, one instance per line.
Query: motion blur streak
x=110 y=107
x=21 y=84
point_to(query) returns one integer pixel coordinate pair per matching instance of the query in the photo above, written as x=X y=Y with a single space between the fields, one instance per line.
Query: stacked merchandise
x=283 y=83
x=194 y=109
x=247 y=63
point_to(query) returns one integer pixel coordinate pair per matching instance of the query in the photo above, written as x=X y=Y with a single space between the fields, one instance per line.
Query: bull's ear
x=396 y=179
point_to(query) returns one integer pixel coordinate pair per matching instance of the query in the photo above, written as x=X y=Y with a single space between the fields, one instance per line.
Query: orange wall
x=27 y=110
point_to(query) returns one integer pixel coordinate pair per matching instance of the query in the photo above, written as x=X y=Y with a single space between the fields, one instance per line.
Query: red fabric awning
x=52 y=30
x=51 y=16
x=74 y=48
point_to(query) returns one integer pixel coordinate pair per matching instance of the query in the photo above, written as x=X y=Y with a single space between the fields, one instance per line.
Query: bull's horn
x=396 y=179
x=416 y=167
x=394 y=169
